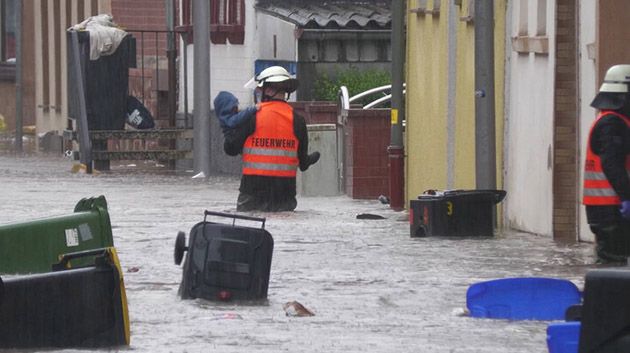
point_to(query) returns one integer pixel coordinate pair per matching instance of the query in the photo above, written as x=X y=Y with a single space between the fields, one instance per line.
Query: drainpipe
x=451 y=100
x=485 y=149
x=396 y=150
x=201 y=104
x=18 y=78
x=171 y=54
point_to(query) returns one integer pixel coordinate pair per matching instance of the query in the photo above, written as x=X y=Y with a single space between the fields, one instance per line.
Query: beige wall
x=613 y=35
x=52 y=19
x=8 y=88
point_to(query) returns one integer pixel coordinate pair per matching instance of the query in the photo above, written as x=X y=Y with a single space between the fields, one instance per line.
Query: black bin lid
x=494 y=196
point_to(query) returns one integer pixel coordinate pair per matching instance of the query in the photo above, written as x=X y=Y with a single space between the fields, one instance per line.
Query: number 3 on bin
x=449 y=208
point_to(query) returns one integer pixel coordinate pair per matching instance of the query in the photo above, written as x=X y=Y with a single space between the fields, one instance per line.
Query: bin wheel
x=180 y=247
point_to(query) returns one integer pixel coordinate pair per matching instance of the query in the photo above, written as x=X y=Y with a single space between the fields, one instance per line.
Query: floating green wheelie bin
x=34 y=246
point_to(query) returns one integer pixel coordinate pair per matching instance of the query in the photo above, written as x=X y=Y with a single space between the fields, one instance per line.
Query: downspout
x=451 y=106
x=171 y=54
x=201 y=104
x=485 y=141
x=396 y=149
x=507 y=112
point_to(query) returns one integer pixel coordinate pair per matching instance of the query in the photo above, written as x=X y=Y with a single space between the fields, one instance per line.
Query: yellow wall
x=465 y=106
x=425 y=102
x=427 y=99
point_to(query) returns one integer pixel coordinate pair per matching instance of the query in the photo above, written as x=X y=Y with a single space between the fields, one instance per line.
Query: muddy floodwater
x=371 y=286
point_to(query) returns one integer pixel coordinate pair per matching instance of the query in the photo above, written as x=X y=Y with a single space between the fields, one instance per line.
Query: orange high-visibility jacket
x=597 y=188
x=272 y=149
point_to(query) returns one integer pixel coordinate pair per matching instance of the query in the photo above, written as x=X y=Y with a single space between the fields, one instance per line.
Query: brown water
x=372 y=287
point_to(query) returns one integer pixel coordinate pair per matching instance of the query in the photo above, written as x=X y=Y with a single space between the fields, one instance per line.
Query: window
x=8 y=15
x=227 y=20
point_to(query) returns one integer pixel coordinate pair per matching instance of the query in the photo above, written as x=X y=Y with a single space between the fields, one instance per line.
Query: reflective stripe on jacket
x=597 y=188
x=272 y=149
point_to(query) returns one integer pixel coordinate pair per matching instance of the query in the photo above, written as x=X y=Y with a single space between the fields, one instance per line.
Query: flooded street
x=372 y=287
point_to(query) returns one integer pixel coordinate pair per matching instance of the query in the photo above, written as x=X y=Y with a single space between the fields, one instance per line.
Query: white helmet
x=617 y=79
x=277 y=74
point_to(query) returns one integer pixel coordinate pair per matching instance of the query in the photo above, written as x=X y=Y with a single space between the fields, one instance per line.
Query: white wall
x=529 y=129
x=286 y=43
x=588 y=89
x=232 y=65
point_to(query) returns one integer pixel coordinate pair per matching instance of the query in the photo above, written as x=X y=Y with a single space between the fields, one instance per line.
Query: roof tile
x=354 y=14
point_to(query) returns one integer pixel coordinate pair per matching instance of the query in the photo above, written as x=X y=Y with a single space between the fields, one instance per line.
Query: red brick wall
x=147 y=16
x=143 y=15
x=367 y=137
x=317 y=112
x=565 y=169
x=139 y=14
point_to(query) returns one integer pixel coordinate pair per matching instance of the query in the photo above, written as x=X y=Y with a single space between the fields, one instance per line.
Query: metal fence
x=154 y=81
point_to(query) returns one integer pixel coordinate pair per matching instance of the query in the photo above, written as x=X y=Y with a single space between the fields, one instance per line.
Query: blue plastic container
x=528 y=298
x=563 y=337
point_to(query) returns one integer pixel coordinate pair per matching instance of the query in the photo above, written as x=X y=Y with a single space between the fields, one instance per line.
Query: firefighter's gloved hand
x=625 y=209
x=313 y=158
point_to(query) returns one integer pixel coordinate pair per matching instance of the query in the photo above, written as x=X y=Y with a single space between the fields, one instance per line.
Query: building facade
x=557 y=56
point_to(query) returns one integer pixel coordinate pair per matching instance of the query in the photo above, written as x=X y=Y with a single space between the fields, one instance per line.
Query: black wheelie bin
x=225 y=261
x=458 y=213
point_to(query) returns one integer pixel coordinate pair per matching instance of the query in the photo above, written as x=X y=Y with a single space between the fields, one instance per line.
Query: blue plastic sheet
x=529 y=298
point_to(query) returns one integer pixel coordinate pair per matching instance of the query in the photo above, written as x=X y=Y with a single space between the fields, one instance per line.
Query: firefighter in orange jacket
x=606 y=193
x=273 y=145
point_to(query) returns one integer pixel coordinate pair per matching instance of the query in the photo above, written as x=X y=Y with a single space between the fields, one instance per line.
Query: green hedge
x=326 y=88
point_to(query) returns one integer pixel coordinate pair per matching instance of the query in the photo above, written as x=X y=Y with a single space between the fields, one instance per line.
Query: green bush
x=326 y=88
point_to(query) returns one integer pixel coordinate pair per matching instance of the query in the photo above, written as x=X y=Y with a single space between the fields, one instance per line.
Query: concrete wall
x=529 y=127
x=440 y=142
